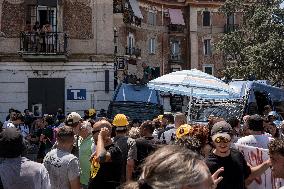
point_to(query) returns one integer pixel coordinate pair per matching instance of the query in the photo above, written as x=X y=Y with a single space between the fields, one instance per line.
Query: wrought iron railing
x=53 y=43
x=176 y=28
x=228 y=28
x=133 y=51
x=176 y=58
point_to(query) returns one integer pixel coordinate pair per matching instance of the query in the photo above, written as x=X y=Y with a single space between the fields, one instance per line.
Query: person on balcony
x=49 y=38
x=36 y=31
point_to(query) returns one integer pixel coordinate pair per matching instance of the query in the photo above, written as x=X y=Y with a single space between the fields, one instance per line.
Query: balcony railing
x=50 y=43
x=228 y=28
x=176 y=58
x=129 y=18
x=133 y=51
x=176 y=28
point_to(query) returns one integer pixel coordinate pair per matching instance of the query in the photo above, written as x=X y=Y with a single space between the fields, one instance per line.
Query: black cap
x=11 y=143
x=221 y=128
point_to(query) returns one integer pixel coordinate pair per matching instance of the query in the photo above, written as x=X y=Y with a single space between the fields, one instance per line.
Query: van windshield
x=226 y=111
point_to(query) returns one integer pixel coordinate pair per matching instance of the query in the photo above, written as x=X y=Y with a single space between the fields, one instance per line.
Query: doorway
x=46 y=95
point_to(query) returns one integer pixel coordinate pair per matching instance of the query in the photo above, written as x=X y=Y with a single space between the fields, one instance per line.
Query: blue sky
x=282 y=5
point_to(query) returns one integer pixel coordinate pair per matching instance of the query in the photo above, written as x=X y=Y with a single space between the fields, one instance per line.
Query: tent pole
x=189 y=106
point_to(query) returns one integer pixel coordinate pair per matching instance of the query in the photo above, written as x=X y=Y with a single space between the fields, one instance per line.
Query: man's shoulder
x=32 y=165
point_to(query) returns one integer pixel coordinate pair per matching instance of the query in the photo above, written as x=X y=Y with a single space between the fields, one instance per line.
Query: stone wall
x=13 y=19
x=77 y=21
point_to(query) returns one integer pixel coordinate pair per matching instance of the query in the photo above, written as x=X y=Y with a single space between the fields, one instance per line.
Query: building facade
x=169 y=35
x=56 y=54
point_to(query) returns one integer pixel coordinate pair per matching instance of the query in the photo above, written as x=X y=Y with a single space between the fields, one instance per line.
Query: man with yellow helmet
x=126 y=144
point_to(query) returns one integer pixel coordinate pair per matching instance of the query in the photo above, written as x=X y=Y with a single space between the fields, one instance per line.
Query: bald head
x=97 y=128
x=101 y=124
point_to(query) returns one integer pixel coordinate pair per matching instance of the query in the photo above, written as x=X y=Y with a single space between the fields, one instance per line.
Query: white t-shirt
x=8 y=124
x=24 y=130
x=259 y=141
x=169 y=136
x=62 y=167
x=23 y=173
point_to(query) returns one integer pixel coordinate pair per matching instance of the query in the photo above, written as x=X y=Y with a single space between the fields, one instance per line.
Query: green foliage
x=257 y=46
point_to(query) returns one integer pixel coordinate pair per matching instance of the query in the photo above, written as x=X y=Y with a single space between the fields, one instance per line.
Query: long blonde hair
x=171 y=167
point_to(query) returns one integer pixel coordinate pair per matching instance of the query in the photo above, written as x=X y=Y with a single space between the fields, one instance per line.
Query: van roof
x=136 y=93
x=242 y=86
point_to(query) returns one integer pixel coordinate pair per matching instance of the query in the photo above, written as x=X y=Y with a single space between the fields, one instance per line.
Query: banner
x=256 y=156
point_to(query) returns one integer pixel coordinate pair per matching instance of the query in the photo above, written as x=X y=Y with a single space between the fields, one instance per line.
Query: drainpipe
x=163 y=63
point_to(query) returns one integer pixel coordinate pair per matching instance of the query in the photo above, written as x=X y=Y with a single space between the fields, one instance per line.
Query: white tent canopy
x=194 y=83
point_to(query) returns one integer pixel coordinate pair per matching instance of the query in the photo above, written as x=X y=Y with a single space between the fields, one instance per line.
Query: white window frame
x=152 y=45
x=209 y=51
x=208 y=66
x=174 y=44
x=210 y=17
x=130 y=42
x=149 y=20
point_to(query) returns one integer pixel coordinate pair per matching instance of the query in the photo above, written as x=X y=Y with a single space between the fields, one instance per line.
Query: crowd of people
x=74 y=152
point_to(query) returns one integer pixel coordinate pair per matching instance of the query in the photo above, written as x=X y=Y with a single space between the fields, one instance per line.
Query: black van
x=136 y=102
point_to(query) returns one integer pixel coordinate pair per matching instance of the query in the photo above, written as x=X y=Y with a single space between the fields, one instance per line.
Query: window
x=152 y=46
x=231 y=19
x=207 y=47
x=175 y=50
x=208 y=69
x=130 y=43
x=115 y=36
x=152 y=18
x=206 y=18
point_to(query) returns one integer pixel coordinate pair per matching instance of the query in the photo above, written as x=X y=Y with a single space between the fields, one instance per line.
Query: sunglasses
x=222 y=139
x=95 y=131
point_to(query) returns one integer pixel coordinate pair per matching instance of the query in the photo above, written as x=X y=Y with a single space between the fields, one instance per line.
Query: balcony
x=176 y=28
x=176 y=58
x=228 y=28
x=129 y=18
x=51 y=46
x=133 y=51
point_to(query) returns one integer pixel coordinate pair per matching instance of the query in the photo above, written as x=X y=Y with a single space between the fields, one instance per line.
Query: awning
x=50 y=3
x=135 y=8
x=176 y=17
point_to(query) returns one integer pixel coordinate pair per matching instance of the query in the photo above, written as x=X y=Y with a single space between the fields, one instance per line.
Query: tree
x=256 y=47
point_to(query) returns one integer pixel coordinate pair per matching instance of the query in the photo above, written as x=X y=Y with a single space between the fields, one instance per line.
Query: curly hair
x=276 y=147
x=196 y=139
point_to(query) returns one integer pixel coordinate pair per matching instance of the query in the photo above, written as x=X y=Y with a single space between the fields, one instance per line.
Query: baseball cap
x=11 y=143
x=72 y=119
x=221 y=129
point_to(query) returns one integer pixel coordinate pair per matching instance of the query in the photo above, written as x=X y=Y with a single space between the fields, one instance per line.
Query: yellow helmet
x=160 y=117
x=183 y=130
x=92 y=111
x=120 y=120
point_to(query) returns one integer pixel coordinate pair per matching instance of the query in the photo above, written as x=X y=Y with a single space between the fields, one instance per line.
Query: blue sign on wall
x=76 y=94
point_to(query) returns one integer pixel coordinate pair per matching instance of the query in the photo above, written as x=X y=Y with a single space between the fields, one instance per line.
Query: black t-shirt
x=235 y=172
x=109 y=174
x=145 y=146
